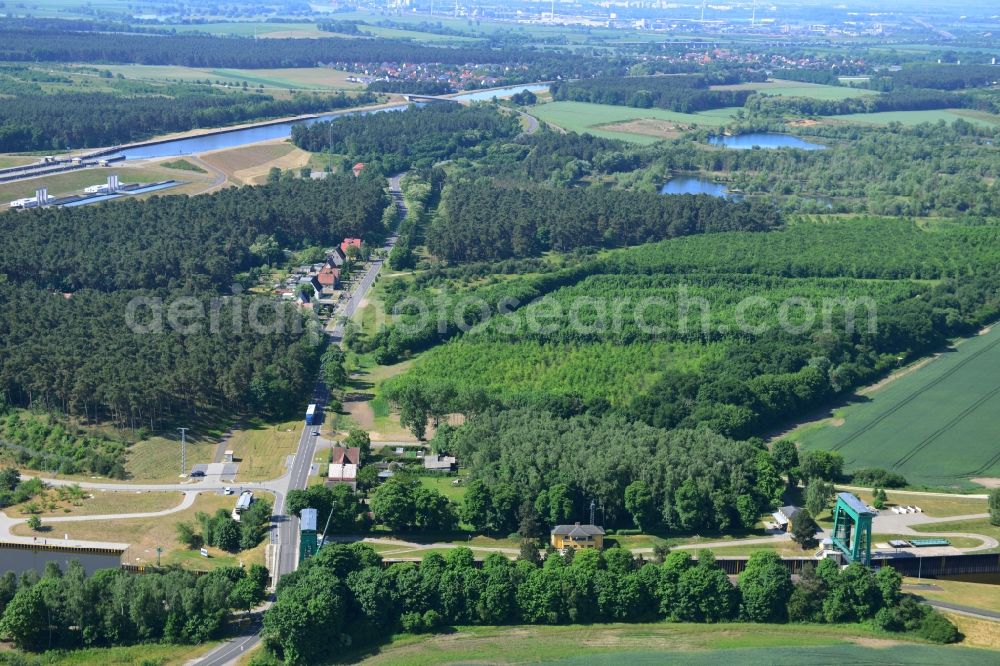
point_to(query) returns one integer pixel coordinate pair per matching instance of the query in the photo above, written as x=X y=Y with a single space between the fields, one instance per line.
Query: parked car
x=227 y=491
x=197 y=473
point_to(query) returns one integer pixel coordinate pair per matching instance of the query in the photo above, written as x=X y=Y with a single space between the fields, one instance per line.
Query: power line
x=183 y=450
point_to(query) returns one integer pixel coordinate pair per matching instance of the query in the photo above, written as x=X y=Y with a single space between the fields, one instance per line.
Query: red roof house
x=358 y=168
x=328 y=276
x=350 y=242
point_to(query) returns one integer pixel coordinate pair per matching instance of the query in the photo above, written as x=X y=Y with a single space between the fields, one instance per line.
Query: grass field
x=936 y=507
x=974 y=595
x=978 y=526
x=183 y=165
x=146 y=534
x=96 y=503
x=15 y=160
x=800 y=89
x=917 y=117
x=151 y=653
x=445 y=485
x=159 y=459
x=251 y=164
x=305 y=78
x=671 y=643
x=263 y=448
x=596 y=118
x=936 y=425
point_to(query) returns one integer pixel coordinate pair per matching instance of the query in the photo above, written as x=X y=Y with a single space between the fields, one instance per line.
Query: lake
x=696 y=185
x=282 y=130
x=767 y=140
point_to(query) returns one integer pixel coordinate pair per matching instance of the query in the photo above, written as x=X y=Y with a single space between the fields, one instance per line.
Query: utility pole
x=183 y=450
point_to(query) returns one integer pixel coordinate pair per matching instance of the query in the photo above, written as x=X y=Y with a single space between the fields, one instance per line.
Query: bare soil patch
x=250 y=163
x=987 y=482
x=645 y=126
x=362 y=413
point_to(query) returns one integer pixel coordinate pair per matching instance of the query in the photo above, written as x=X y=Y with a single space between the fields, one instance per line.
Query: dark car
x=197 y=473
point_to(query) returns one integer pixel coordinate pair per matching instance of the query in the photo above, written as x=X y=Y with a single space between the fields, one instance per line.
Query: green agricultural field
x=593 y=118
x=917 y=117
x=305 y=78
x=672 y=643
x=936 y=426
x=800 y=89
x=251 y=28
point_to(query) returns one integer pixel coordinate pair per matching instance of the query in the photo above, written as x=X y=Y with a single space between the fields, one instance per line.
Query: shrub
x=875 y=476
x=937 y=628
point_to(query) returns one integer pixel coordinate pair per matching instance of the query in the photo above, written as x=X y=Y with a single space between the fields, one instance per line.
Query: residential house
x=358 y=168
x=336 y=257
x=340 y=455
x=433 y=463
x=785 y=517
x=577 y=536
x=350 y=242
x=329 y=276
x=347 y=474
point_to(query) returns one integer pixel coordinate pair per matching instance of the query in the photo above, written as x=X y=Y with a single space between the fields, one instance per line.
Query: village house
x=434 y=463
x=577 y=536
x=350 y=242
x=784 y=518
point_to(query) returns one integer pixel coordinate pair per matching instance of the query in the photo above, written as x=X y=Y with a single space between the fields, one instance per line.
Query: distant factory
x=113 y=189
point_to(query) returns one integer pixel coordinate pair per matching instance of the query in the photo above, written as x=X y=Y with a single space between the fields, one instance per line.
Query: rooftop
x=856 y=505
x=577 y=530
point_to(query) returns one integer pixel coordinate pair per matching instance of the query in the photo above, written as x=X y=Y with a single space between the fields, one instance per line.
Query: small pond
x=766 y=140
x=696 y=185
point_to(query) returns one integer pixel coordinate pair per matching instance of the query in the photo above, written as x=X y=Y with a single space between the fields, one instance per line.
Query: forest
x=69 y=610
x=900 y=100
x=130 y=312
x=682 y=93
x=945 y=76
x=480 y=221
x=925 y=170
x=53 y=121
x=343 y=598
x=685 y=371
x=693 y=480
x=136 y=358
x=194 y=242
x=559 y=159
x=21 y=42
x=415 y=136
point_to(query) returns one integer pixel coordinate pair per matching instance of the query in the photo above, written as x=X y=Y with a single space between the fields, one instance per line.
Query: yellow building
x=577 y=536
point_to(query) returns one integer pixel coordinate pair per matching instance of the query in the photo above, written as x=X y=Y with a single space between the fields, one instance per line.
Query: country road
x=285 y=538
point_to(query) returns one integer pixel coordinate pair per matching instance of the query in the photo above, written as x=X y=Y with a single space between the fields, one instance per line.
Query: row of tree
x=68 y=610
x=343 y=597
x=684 y=93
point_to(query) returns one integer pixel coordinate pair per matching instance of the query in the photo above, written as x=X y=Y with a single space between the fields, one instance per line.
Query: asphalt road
x=287 y=533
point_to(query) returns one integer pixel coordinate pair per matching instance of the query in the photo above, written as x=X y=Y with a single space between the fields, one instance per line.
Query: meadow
x=935 y=426
x=918 y=117
x=599 y=119
x=306 y=78
x=684 y=643
x=800 y=89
